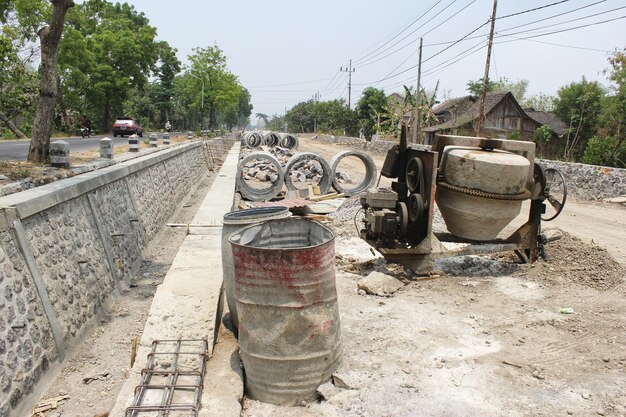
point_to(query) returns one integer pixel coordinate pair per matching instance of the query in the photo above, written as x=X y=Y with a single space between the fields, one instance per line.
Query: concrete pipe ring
x=271 y=139
x=368 y=179
x=254 y=140
x=289 y=141
x=325 y=180
x=260 y=194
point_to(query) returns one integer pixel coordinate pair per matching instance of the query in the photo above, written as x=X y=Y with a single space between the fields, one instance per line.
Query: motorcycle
x=85 y=131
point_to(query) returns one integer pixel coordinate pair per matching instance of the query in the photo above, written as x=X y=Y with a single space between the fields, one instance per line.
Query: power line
x=562 y=45
x=531 y=10
x=367 y=62
x=331 y=81
x=287 y=84
x=537 y=21
x=399 y=33
x=499 y=35
x=363 y=62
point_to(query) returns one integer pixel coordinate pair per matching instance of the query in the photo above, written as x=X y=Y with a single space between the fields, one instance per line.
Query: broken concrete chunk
x=343 y=381
x=327 y=390
x=552 y=234
x=380 y=284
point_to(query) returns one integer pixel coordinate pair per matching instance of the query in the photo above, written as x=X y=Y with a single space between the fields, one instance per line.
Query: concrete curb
x=186 y=304
x=41 y=198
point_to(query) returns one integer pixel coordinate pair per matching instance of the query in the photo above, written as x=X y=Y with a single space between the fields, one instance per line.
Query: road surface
x=17 y=150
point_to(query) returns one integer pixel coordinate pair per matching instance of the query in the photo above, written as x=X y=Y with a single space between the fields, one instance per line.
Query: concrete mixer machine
x=480 y=186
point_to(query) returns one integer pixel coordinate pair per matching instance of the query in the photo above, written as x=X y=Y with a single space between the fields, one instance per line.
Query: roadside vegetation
x=109 y=63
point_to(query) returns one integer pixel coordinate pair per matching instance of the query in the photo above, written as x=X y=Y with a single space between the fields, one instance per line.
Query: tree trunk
x=49 y=36
x=212 y=117
x=11 y=126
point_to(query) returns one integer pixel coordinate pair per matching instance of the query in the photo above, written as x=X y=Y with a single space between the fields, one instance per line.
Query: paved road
x=17 y=150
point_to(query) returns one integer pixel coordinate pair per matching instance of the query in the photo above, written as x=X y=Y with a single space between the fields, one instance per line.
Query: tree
x=476 y=87
x=578 y=104
x=108 y=53
x=265 y=118
x=50 y=37
x=517 y=88
x=539 y=102
x=613 y=115
x=18 y=83
x=372 y=103
x=244 y=107
x=276 y=123
x=222 y=88
x=167 y=67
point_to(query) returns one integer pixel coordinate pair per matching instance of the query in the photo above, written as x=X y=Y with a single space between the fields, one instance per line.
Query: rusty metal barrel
x=232 y=223
x=286 y=299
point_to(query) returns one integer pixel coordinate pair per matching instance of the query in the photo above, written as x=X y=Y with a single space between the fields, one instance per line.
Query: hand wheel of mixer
x=555 y=191
x=416 y=207
x=414 y=176
x=403 y=220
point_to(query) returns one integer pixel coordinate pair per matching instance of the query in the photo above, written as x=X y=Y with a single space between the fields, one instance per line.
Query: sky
x=284 y=51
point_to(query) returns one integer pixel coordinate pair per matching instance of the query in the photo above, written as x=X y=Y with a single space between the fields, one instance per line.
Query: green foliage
x=244 y=107
x=579 y=104
x=276 y=122
x=221 y=87
x=539 y=102
x=517 y=88
x=514 y=135
x=542 y=134
x=372 y=103
x=605 y=151
x=108 y=52
x=333 y=117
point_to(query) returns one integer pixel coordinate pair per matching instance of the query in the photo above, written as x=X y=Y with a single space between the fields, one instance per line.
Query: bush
x=514 y=135
x=601 y=150
x=542 y=134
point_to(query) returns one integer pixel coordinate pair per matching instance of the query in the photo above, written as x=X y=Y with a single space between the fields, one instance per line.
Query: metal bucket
x=233 y=222
x=287 y=304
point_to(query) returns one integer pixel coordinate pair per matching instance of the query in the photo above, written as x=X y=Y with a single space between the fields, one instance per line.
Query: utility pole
x=418 y=98
x=349 y=70
x=481 y=114
x=316 y=99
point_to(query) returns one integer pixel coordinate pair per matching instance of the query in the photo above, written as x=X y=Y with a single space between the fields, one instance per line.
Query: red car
x=125 y=126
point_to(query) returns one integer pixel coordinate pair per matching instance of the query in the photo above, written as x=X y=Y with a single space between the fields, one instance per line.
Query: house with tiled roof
x=504 y=117
x=549 y=119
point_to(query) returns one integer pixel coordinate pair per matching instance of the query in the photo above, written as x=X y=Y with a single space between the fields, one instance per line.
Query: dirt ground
x=105 y=355
x=487 y=337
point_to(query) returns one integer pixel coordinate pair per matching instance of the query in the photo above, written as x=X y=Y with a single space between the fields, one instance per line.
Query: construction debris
x=377 y=283
x=47 y=405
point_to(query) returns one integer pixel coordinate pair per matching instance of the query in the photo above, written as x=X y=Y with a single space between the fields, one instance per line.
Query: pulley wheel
x=416 y=207
x=555 y=192
x=414 y=175
x=403 y=219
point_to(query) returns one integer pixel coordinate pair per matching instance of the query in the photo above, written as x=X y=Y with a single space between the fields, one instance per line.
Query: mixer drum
x=479 y=191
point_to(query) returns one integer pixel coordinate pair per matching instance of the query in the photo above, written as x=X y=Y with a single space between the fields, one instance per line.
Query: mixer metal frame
x=422 y=246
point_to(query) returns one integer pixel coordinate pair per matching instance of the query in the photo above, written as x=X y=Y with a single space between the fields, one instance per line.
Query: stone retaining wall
x=585 y=182
x=67 y=246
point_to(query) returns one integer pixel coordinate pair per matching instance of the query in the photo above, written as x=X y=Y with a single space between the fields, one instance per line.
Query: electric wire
x=499 y=34
x=365 y=62
x=530 y=23
x=411 y=43
x=399 y=33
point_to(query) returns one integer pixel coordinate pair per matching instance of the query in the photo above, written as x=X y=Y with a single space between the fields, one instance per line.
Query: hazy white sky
x=285 y=50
